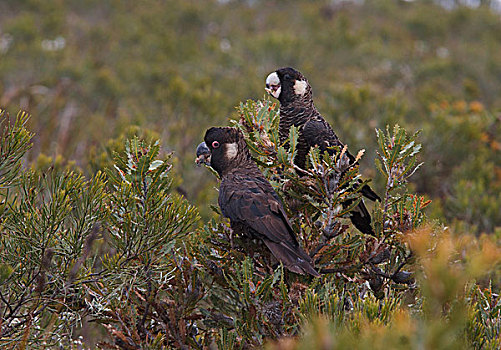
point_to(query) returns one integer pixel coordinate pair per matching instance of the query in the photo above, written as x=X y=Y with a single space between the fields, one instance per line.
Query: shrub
x=122 y=250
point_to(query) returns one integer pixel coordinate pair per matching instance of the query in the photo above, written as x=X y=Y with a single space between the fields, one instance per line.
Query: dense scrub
x=91 y=71
x=110 y=235
x=122 y=251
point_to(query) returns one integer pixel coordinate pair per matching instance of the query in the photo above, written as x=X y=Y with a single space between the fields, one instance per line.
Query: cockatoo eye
x=215 y=144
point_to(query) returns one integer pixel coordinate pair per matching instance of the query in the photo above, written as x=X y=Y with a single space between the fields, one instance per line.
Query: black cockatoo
x=297 y=109
x=249 y=201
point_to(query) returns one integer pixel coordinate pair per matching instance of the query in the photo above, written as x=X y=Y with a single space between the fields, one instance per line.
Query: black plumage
x=249 y=201
x=297 y=109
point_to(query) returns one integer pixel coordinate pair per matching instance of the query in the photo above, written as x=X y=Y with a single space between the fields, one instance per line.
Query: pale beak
x=203 y=154
x=271 y=89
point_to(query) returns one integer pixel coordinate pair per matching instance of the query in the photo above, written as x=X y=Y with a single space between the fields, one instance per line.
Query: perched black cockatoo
x=294 y=93
x=249 y=201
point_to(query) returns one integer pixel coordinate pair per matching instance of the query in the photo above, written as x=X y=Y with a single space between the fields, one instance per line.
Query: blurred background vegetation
x=95 y=73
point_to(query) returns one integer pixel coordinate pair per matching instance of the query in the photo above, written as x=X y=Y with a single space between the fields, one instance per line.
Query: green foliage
x=48 y=224
x=484 y=322
x=142 y=211
x=51 y=219
x=449 y=313
x=397 y=163
x=119 y=248
x=90 y=71
x=14 y=144
x=155 y=281
x=148 y=284
x=471 y=165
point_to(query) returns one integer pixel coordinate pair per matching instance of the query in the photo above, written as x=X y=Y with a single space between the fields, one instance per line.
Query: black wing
x=319 y=133
x=250 y=200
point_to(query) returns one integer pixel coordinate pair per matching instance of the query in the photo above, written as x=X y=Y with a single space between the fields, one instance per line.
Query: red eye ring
x=215 y=144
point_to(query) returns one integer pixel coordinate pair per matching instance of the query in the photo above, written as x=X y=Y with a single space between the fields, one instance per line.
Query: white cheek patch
x=231 y=150
x=300 y=87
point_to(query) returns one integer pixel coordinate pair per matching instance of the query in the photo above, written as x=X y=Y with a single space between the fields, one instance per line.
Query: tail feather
x=370 y=194
x=361 y=219
x=293 y=258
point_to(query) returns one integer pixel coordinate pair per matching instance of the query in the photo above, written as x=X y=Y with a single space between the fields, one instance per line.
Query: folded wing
x=255 y=204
